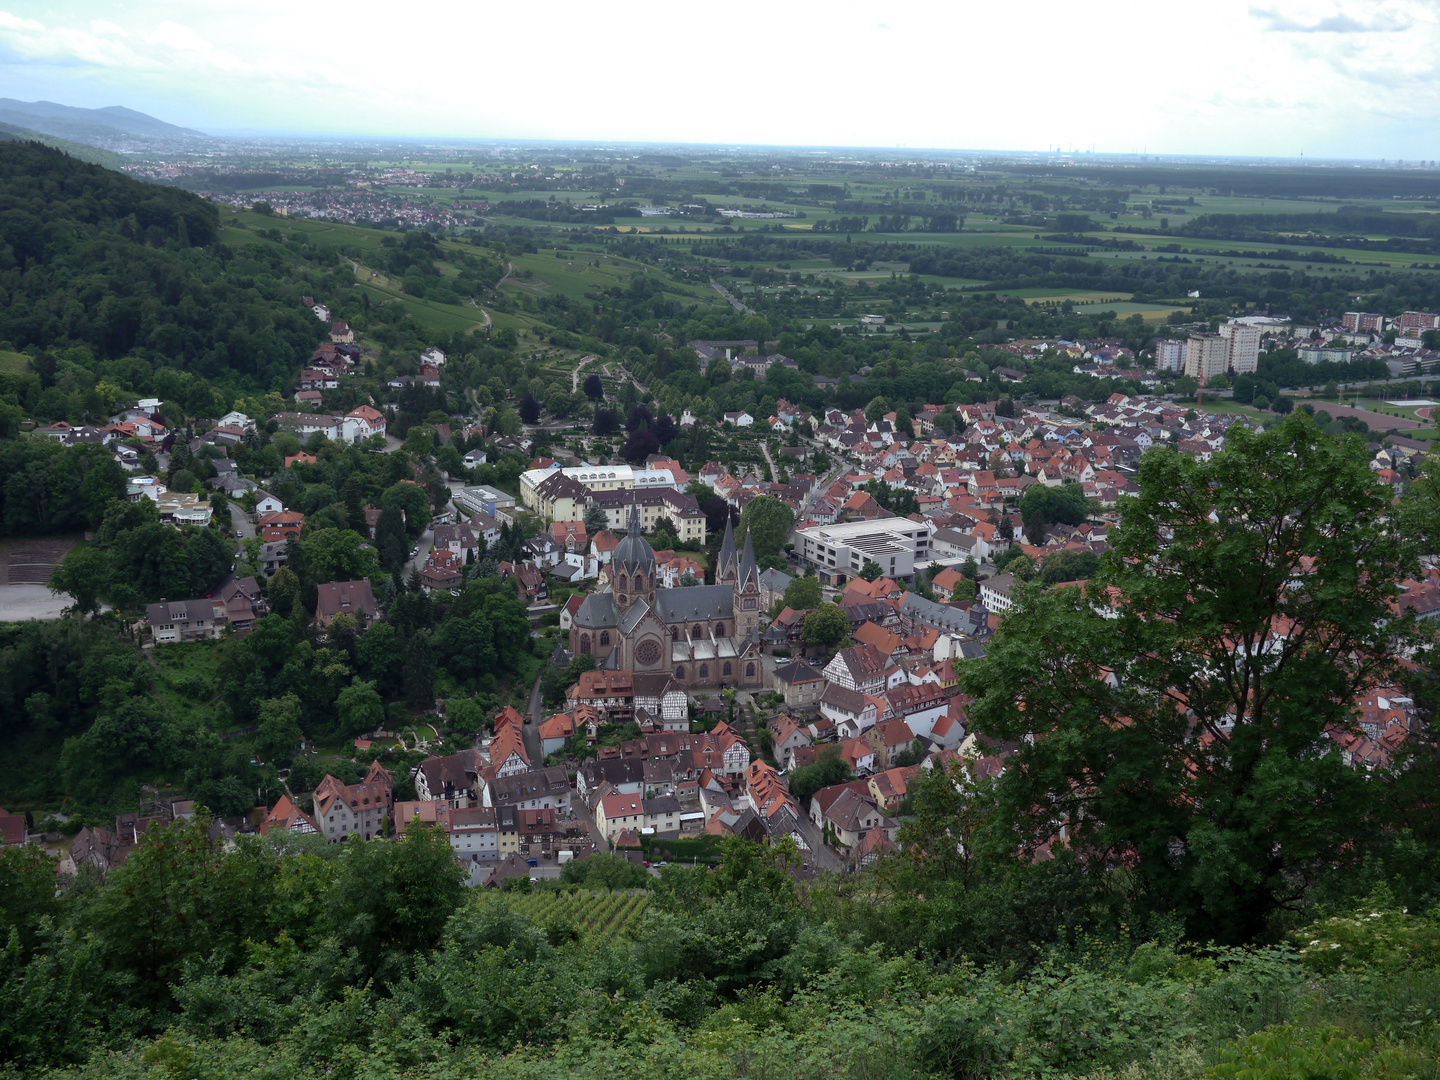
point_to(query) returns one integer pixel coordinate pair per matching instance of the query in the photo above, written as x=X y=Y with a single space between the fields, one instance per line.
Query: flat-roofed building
x=839 y=552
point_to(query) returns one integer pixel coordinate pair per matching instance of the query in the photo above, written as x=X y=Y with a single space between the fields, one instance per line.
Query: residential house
x=618 y=812
x=360 y=809
x=851 y=815
x=353 y=598
x=186 y=620
x=454 y=779
x=799 y=683
x=539 y=789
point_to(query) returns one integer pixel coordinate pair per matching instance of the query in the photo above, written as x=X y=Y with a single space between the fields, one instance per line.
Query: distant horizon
x=1292 y=80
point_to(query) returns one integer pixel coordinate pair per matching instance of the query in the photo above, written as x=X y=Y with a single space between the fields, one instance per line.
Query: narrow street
x=824 y=858
x=534 y=713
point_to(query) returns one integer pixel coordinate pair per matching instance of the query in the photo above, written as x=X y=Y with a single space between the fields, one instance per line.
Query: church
x=704 y=635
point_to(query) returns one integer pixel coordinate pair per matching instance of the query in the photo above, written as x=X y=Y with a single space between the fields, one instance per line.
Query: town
x=546 y=609
x=834 y=660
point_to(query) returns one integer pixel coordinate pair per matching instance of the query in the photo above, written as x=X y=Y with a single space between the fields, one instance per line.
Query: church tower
x=633 y=566
x=747 y=593
x=727 y=567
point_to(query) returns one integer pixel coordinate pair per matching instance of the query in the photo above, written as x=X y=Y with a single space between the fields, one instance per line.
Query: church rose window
x=647 y=652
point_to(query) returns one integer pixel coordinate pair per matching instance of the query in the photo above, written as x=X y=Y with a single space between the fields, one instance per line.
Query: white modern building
x=839 y=552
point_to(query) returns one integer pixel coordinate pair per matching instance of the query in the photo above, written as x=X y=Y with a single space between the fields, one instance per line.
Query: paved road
x=427 y=538
x=241 y=521
x=823 y=857
x=736 y=304
x=575 y=375
x=534 y=712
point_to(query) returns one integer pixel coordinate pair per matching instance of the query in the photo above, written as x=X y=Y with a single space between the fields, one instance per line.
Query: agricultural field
x=597 y=914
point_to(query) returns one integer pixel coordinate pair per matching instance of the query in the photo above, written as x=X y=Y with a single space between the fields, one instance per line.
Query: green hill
x=93 y=154
x=125 y=269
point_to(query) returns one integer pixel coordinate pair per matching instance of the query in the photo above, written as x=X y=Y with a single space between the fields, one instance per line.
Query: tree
x=529 y=409
x=284 y=591
x=606 y=871
x=826 y=770
x=639 y=445
x=279 y=734
x=595 y=518
x=359 y=709
x=769 y=521
x=871 y=570
x=391 y=543
x=83 y=574
x=593 y=387
x=392 y=901
x=803 y=593
x=605 y=423
x=1247 y=602
x=826 y=626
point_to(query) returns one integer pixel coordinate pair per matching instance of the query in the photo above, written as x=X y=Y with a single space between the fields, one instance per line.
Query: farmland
x=595 y=914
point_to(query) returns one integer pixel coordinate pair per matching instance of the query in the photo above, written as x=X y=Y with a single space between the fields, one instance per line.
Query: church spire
x=748 y=567
x=726 y=568
x=633 y=529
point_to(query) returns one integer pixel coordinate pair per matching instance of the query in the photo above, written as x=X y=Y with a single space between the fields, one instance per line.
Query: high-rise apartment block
x=1243 y=347
x=1206 y=355
x=1169 y=355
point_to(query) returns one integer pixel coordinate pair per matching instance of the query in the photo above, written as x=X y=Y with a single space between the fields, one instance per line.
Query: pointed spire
x=748 y=567
x=634 y=527
x=725 y=564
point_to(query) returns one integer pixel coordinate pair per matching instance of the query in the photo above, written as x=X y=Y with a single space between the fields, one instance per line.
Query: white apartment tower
x=1169 y=355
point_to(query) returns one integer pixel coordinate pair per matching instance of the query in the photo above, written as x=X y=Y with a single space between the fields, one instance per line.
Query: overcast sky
x=1224 y=77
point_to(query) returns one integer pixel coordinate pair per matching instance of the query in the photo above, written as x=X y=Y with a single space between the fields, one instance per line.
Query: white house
x=739 y=419
x=265 y=503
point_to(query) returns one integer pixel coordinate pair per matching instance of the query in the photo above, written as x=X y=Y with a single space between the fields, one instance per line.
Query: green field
x=595 y=914
x=14 y=362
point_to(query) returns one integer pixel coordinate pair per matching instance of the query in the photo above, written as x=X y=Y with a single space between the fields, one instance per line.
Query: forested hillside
x=295 y=958
x=94 y=261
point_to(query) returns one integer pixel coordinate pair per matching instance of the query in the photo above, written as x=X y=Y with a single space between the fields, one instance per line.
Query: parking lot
x=21 y=602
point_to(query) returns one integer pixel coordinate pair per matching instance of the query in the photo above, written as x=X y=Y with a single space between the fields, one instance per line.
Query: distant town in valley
x=734 y=588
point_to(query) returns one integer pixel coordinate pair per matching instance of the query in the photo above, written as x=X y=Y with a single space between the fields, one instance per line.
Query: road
x=736 y=304
x=241 y=521
x=823 y=857
x=427 y=538
x=575 y=375
x=534 y=712
x=765 y=449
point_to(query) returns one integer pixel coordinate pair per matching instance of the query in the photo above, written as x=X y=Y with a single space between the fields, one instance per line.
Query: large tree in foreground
x=1173 y=717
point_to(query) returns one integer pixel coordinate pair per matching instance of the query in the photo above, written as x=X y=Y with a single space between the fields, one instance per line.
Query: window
x=674 y=633
x=679 y=673
x=585 y=644
x=750 y=670
x=604 y=637
x=719 y=629
x=728 y=670
x=704 y=671
x=695 y=633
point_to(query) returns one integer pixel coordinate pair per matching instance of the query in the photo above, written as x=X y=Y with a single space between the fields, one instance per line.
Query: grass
x=187 y=678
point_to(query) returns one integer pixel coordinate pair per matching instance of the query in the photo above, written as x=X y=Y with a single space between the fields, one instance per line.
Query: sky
x=1227 y=77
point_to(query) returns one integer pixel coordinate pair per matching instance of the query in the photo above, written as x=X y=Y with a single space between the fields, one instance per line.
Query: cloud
x=1384 y=23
